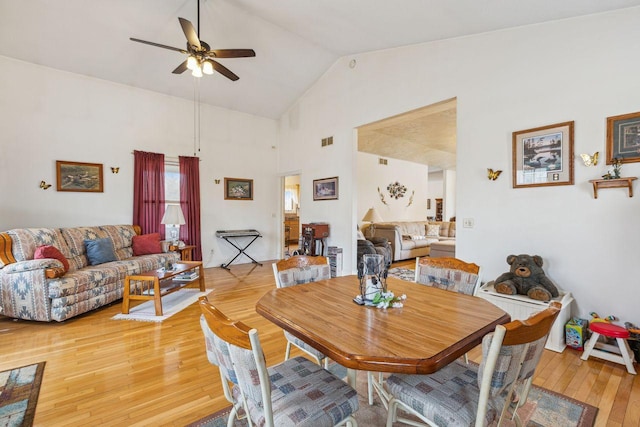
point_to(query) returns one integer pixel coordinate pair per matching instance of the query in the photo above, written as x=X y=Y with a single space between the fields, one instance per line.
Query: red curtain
x=190 y=203
x=148 y=192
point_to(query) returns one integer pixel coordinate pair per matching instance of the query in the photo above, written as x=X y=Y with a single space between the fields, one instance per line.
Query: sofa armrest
x=392 y=233
x=24 y=289
x=32 y=265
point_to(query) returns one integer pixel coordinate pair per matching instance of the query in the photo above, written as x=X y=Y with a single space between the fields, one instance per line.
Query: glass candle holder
x=372 y=273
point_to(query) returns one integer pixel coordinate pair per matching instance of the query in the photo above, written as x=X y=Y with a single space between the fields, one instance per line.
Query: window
x=291 y=198
x=171 y=192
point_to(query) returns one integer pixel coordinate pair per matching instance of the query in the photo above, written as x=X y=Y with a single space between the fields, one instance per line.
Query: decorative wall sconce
x=590 y=160
x=115 y=169
x=217 y=181
x=493 y=175
x=44 y=185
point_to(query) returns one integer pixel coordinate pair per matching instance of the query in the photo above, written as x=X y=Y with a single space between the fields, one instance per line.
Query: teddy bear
x=526 y=277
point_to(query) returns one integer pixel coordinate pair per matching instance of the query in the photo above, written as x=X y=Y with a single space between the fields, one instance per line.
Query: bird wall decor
x=381 y=196
x=590 y=160
x=44 y=185
x=411 y=198
x=493 y=175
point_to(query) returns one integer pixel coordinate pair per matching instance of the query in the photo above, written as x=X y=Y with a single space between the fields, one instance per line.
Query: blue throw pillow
x=100 y=251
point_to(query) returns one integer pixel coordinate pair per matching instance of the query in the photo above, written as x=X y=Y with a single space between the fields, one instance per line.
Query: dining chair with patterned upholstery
x=464 y=394
x=297 y=270
x=296 y=392
x=218 y=355
x=448 y=273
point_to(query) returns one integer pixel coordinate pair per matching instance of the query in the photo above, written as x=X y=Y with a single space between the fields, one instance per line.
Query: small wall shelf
x=612 y=183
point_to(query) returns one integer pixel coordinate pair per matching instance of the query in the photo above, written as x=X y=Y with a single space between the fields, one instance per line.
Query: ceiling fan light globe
x=192 y=63
x=196 y=72
x=207 y=67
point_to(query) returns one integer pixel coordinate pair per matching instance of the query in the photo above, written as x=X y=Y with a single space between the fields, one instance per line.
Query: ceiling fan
x=201 y=58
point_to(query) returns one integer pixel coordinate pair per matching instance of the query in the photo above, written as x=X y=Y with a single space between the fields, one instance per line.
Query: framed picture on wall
x=623 y=138
x=238 y=189
x=76 y=176
x=543 y=156
x=325 y=189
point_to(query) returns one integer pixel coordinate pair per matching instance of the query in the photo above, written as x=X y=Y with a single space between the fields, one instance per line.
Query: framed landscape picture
x=543 y=156
x=623 y=138
x=238 y=189
x=325 y=189
x=76 y=176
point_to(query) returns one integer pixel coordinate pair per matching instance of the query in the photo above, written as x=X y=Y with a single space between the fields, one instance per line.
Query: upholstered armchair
x=375 y=245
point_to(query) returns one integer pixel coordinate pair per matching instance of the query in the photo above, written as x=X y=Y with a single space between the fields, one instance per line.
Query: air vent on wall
x=327 y=141
x=382 y=161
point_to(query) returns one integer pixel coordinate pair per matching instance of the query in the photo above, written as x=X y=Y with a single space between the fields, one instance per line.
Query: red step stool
x=621 y=354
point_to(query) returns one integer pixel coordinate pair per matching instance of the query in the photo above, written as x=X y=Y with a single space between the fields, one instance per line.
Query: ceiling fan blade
x=223 y=70
x=232 y=53
x=190 y=32
x=159 y=45
x=181 y=68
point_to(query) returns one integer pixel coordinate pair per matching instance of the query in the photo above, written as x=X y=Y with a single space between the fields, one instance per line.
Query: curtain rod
x=176 y=160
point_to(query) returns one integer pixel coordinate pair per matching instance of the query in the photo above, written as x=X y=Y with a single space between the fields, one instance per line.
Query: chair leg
x=287 y=352
x=378 y=387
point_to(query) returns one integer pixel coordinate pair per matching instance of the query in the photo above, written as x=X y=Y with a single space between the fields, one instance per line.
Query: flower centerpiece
x=388 y=299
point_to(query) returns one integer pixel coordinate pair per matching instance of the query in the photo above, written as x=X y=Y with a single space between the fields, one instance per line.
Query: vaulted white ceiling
x=296 y=41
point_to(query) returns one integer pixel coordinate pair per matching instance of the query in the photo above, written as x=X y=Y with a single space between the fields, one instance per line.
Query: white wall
x=49 y=115
x=580 y=69
x=449 y=208
x=372 y=175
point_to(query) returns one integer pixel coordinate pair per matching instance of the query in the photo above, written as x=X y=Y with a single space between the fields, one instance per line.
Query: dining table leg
x=351 y=377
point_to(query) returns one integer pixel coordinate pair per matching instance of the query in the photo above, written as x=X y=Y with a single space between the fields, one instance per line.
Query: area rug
x=403 y=274
x=171 y=304
x=543 y=408
x=19 y=389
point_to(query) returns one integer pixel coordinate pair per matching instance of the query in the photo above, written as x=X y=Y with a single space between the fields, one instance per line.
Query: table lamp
x=371 y=217
x=173 y=216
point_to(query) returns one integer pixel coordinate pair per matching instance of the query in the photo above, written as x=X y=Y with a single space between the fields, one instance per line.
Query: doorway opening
x=291 y=214
x=425 y=136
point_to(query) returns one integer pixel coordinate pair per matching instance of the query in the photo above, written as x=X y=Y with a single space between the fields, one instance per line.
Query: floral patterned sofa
x=39 y=289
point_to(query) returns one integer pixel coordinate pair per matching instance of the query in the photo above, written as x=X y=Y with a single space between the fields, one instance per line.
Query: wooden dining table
x=432 y=329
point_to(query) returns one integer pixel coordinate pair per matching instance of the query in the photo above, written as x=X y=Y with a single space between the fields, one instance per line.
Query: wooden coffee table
x=154 y=284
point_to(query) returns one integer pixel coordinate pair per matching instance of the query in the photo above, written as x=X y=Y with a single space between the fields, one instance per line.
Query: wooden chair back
x=299 y=261
x=446 y=265
x=232 y=331
x=296 y=261
x=535 y=327
x=503 y=371
x=449 y=263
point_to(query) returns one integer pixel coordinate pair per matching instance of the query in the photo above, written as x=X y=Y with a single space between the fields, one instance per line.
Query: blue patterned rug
x=544 y=408
x=19 y=389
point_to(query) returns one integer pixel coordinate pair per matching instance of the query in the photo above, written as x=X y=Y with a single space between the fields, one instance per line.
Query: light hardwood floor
x=123 y=373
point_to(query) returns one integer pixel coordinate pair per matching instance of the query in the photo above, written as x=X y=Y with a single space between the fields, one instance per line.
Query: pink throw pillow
x=146 y=244
x=48 y=251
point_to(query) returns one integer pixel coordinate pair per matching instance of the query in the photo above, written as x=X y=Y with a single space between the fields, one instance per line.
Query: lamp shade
x=173 y=215
x=372 y=215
